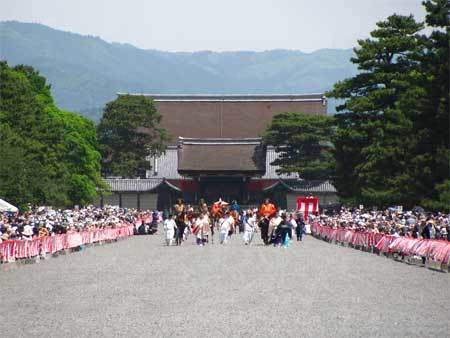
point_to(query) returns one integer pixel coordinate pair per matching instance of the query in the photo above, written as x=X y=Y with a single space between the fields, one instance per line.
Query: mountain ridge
x=86 y=71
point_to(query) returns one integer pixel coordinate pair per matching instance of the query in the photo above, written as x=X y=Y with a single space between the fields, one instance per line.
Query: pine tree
x=129 y=132
x=303 y=144
x=372 y=132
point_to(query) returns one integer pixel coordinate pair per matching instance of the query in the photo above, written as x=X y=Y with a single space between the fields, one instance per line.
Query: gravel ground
x=138 y=287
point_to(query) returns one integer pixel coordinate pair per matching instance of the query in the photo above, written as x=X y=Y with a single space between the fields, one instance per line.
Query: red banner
x=307 y=205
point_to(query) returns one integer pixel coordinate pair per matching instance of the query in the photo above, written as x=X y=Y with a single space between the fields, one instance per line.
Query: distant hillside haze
x=86 y=72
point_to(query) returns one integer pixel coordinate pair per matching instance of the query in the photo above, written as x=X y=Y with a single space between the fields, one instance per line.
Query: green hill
x=86 y=72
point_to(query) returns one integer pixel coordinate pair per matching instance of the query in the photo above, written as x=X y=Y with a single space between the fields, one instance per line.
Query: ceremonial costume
x=267 y=210
x=249 y=228
x=169 y=228
x=181 y=221
x=225 y=226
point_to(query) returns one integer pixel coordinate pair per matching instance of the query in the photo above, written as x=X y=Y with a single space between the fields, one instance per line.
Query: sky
x=226 y=25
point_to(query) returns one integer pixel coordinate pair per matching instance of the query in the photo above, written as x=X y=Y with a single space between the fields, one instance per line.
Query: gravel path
x=138 y=287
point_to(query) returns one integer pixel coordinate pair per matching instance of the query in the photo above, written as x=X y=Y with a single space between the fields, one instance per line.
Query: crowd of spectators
x=47 y=221
x=415 y=223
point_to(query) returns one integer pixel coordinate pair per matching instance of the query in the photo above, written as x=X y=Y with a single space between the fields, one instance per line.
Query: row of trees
x=390 y=143
x=53 y=157
x=47 y=155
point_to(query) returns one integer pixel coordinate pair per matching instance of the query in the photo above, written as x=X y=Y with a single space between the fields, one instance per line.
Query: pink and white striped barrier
x=19 y=249
x=436 y=250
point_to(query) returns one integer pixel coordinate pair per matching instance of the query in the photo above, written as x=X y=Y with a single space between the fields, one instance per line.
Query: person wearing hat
x=27 y=233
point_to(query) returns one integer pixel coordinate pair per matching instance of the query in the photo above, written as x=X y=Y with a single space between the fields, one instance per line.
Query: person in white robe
x=169 y=227
x=225 y=226
x=250 y=225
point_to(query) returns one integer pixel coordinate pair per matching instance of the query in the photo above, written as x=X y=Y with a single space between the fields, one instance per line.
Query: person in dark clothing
x=153 y=227
x=283 y=230
x=300 y=228
x=426 y=232
x=141 y=229
x=416 y=231
x=181 y=226
x=264 y=225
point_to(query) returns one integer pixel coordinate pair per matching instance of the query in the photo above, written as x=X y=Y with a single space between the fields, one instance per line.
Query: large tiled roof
x=167 y=166
x=231 y=97
x=311 y=186
x=306 y=186
x=271 y=173
x=220 y=155
x=126 y=184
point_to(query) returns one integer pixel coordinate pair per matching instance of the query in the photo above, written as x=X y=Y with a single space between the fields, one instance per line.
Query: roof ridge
x=219 y=141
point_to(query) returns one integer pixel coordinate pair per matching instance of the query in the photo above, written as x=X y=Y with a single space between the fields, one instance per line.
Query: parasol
x=6 y=207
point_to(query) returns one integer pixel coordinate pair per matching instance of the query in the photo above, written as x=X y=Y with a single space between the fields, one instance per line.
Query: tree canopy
x=303 y=144
x=392 y=137
x=49 y=156
x=129 y=132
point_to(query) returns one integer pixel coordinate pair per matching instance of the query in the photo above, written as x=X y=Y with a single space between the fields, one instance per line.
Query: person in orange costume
x=216 y=209
x=267 y=209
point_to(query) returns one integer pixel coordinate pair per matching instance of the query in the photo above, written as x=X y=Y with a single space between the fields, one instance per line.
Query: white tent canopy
x=5 y=206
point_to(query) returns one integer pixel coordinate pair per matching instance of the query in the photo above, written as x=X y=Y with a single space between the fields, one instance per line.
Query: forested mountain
x=86 y=72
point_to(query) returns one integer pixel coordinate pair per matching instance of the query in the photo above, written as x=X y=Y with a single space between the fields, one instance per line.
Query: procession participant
x=273 y=224
x=169 y=227
x=182 y=223
x=206 y=227
x=282 y=231
x=264 y=225
x=179 y=207
x=197 y=229
x=202 y=206
x=180 y=219
x=226 y=224
x=267 y=209
x=235 y=211
x=299 y=228
x=218 y=210
x=250 y=224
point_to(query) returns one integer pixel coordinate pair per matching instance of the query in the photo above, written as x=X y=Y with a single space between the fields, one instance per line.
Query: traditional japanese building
x=216 y=152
